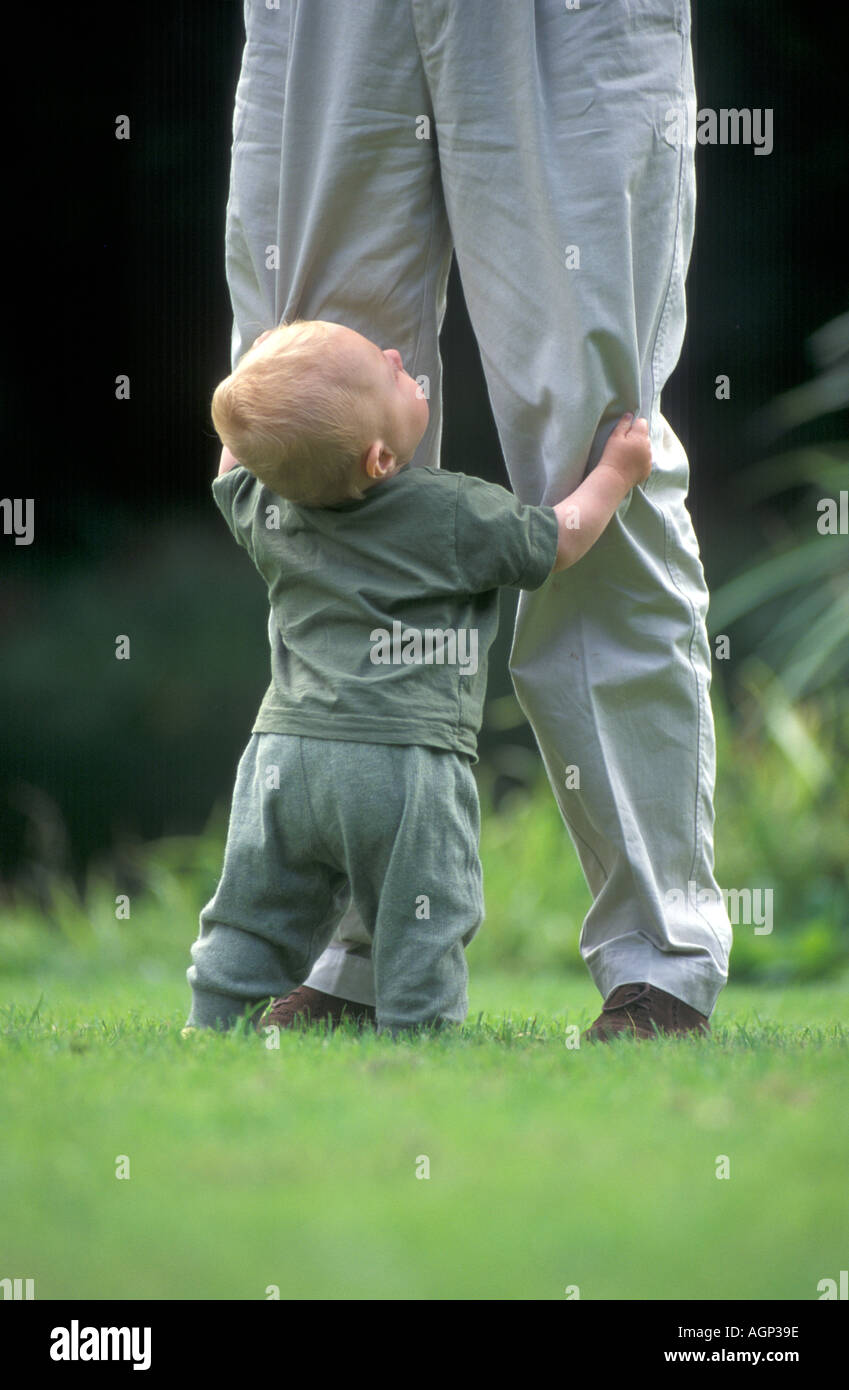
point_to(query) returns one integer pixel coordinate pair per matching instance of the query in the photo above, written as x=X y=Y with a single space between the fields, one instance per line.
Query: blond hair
x=291 y=416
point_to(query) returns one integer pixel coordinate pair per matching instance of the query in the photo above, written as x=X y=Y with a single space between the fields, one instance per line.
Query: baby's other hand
x=628 y=449
x=227 y=461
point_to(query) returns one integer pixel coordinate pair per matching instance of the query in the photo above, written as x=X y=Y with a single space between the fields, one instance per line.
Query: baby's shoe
x=307 y=1005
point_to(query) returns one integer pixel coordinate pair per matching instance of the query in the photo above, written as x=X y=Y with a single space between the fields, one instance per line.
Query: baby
x=383 y=587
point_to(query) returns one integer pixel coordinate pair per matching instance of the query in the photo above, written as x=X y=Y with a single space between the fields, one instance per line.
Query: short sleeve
x=501 y=541
x=237 y=494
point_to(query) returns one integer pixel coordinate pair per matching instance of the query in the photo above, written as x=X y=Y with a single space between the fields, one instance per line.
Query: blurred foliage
x=789 y=610
x=97 y=748
x=793 y=601
x=788 y=815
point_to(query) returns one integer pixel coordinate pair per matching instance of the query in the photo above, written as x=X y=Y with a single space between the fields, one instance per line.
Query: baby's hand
x=628 y=449
x=227 y=461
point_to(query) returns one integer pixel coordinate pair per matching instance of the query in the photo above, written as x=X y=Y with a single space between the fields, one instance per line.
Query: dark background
x=115 y=265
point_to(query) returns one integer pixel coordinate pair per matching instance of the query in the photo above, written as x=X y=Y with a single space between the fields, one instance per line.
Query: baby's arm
x=584 y=514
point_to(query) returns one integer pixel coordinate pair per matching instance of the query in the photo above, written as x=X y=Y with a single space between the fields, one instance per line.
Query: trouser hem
x=219 y=1011
x=344 y=975
x=697 y=985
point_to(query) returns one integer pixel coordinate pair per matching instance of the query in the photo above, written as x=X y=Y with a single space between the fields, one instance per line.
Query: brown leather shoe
x=305 y=1005
x=642 y=1011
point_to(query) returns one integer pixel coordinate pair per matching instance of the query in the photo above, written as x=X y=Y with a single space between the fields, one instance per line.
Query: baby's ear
x=262 y=337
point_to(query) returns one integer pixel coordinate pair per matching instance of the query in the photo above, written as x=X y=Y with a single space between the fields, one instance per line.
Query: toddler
x=383 y=587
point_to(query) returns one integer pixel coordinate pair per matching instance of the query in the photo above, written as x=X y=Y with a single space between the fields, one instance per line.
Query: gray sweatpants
x=551 y=146
x=313 y=820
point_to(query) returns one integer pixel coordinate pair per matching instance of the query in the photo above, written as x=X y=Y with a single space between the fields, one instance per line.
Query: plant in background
x=800 y=592
x=785 y=819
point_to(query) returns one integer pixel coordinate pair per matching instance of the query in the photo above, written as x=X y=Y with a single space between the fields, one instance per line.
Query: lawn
x=254 y=1169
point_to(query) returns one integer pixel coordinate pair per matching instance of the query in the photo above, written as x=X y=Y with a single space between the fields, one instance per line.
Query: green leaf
x=772 y=577
x=824 y=638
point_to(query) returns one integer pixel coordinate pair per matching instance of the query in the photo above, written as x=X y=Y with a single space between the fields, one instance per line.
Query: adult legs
x=566 y=150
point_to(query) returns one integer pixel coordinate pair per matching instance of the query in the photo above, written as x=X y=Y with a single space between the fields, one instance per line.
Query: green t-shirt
x=383 y=610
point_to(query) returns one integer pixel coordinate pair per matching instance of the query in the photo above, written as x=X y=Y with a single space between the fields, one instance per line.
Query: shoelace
x=640 y=999
x=277 y=1006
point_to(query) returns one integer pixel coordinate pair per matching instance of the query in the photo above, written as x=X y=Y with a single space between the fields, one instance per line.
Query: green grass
x=550 y=1166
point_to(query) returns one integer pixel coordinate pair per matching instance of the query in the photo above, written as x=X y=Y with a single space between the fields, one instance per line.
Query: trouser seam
x=426 y=278
x=665 y=307
x=308 y=801
x=521 y=619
